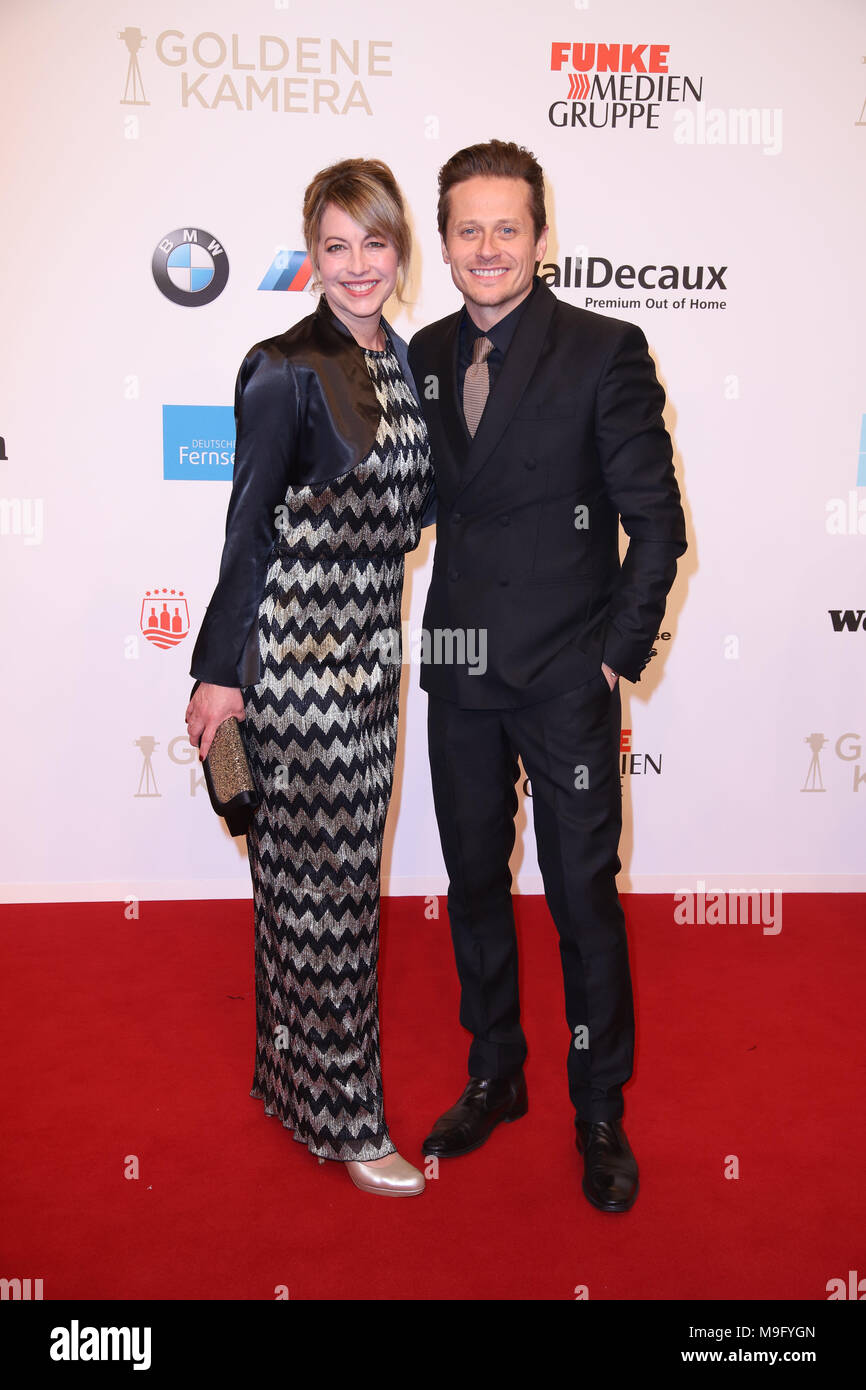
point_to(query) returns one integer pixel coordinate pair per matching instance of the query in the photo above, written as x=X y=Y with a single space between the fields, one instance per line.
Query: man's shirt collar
x=502 y=332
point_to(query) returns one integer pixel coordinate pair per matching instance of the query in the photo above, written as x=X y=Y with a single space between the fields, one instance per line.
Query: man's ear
x=541 y=244
x=446 y=258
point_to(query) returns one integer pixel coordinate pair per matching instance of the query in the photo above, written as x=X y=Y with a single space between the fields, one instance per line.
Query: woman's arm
x=266 y=423
x=266 y=419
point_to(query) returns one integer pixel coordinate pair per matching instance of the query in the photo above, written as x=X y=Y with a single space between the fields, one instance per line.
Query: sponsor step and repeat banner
x=705 y=169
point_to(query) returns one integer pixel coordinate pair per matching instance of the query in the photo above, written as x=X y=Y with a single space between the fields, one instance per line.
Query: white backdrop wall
x=754 y=167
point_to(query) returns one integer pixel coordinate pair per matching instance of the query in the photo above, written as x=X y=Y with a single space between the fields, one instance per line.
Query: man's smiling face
x=491 y=246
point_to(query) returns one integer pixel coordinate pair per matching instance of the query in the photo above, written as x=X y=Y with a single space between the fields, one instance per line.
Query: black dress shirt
x=500 y=336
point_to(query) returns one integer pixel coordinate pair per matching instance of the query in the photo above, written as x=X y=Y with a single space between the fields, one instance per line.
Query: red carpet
x=136 y=1038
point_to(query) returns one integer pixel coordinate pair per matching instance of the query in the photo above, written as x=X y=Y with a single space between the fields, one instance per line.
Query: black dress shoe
x=468 y=1124
x=610 y=1179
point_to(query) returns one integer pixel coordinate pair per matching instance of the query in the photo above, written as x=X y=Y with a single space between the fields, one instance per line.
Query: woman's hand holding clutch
x=208 y=708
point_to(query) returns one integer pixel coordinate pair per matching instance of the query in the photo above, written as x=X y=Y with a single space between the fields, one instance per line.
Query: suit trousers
x=569 y=747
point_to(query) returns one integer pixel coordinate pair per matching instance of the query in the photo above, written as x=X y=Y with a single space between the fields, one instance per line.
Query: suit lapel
x=520 y=362
x=453 y=423
x=338 y=361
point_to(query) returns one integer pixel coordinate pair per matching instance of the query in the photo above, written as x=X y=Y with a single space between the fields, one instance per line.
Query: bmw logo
x=190 y=267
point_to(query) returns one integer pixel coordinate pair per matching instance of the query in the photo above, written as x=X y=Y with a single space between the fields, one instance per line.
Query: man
x=546 y=427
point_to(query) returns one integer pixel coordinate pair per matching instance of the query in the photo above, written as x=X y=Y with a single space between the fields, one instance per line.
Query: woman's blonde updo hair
x=367 y=191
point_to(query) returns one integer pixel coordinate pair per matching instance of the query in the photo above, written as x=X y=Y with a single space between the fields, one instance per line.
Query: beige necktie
x=476 y=385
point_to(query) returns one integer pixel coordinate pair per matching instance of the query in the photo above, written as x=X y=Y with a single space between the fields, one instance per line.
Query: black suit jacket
x=574 y=421
x=306 y=411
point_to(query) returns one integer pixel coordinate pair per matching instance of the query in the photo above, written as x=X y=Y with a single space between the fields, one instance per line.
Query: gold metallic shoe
x=396 y=1178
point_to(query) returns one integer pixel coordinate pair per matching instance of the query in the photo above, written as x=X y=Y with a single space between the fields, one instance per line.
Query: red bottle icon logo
x=164 y=617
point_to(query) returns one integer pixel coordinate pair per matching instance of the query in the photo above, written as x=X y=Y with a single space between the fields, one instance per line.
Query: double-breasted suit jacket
x=571 y=441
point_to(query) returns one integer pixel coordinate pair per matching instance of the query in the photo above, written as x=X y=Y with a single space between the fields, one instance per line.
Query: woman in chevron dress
x=332 y=485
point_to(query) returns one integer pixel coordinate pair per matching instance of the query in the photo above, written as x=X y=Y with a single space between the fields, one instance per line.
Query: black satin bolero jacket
x=305 y=412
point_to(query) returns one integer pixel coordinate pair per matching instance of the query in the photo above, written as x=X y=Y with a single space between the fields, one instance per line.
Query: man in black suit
x=546 y=429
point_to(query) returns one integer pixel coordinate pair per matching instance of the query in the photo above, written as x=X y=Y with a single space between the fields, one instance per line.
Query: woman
x=332 y=484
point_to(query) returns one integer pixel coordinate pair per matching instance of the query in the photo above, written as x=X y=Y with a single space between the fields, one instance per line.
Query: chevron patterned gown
x=321 y=731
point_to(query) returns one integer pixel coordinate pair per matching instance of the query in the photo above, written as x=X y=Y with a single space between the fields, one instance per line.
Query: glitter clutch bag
x=228 y=778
